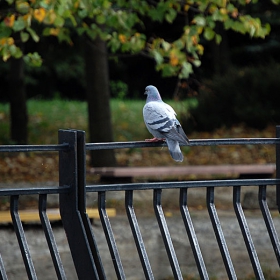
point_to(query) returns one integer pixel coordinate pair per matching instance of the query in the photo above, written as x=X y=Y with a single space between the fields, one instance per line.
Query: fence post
x=81 y=161
x=278 y=167
x=69 y=210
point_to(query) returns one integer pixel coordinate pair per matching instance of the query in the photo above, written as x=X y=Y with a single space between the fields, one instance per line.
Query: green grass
x=46 y=117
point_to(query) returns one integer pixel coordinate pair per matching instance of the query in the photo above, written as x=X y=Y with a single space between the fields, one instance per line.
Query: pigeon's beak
x=146 y=92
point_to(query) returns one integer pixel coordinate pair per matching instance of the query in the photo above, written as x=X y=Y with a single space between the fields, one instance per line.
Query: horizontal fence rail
x=34 y=148
x=182 y=184
x=83 y=243
x=198 y=142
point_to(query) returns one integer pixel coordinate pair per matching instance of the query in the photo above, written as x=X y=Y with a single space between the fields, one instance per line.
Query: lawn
x=47 y=116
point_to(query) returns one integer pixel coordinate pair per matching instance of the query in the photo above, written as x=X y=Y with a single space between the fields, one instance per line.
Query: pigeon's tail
x=174 y=150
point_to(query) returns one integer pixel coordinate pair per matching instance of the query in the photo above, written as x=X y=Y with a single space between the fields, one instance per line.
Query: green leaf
x=218 y=39
x=22 y=7
x=200 y=21
x=64 y=35
x=24 y=36
x=179 y=44
x=46 y=31
x=5 y=31
x=210 y=22
x=186 y=70
x=5 y=53
x=59 y=21
x=33 y=34
x=228 y=24
x=33 y=59
x=156 y=14
x=209 y=33
x=13 y=50
x=166 y=46
x=168 y=70
x=196 y=62
x=19 y=24
x=81 y=30
x=171 y=15
x=101 y=19
x=83 y=13
x=157 y=56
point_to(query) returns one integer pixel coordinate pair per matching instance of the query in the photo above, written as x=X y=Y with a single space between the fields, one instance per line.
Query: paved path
x=153 y=242
x=152 y=239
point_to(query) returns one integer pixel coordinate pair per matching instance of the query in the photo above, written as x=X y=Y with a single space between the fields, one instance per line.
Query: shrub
x=249 y=95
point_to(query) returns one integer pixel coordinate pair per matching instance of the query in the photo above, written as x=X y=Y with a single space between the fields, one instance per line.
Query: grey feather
x=161 y=121
x=174 y=150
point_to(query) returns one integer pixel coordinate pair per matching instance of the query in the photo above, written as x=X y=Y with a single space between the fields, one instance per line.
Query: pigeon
x=160 y=120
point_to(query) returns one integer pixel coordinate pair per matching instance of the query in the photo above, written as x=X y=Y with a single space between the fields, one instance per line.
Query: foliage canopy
x=123 y=25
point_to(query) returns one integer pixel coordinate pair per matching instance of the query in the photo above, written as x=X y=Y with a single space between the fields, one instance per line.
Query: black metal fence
x=83 y=245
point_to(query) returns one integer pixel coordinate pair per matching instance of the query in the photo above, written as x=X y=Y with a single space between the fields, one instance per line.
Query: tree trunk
x=18 y=107
x=98 y=98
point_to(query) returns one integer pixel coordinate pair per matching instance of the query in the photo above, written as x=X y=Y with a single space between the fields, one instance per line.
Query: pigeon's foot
x=155 y=139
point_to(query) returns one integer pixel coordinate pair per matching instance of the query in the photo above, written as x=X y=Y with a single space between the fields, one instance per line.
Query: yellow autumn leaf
x=10 y=41
x=199 y=29
x=7 y=41
x=9 y=21
x=2 y=42
x=27 y=18
x=50 y=17
x=200 y=49
x=76 y=4
x=186 y=7
x=54 y=31
x=39 y=14
x=122 y=38
x=223 y=11
x=212 y=9
x=194 y=39
x=173 y=59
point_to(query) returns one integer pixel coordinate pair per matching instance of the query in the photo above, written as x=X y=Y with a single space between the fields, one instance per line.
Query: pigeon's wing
x=174 y=134
x=157 y=117
x=180 y=131
x=176 y=131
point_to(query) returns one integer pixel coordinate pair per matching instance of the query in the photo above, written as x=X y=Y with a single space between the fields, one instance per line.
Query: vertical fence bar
x=192 y=235
x=29 y=266
x=278 y=167
x=110 y=236
x=246 y=233
x=70 y=214
x=166 y=235
x=219 y=233
x=81 y=168
x=3 y=275
x=50 y=237
x=269 y=222
x=137 y=235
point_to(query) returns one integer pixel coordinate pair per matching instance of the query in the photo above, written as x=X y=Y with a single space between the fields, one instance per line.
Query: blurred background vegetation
x=237 y=83
x=236 y=78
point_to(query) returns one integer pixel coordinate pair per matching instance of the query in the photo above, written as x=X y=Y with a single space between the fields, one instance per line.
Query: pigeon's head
x=152 y=94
